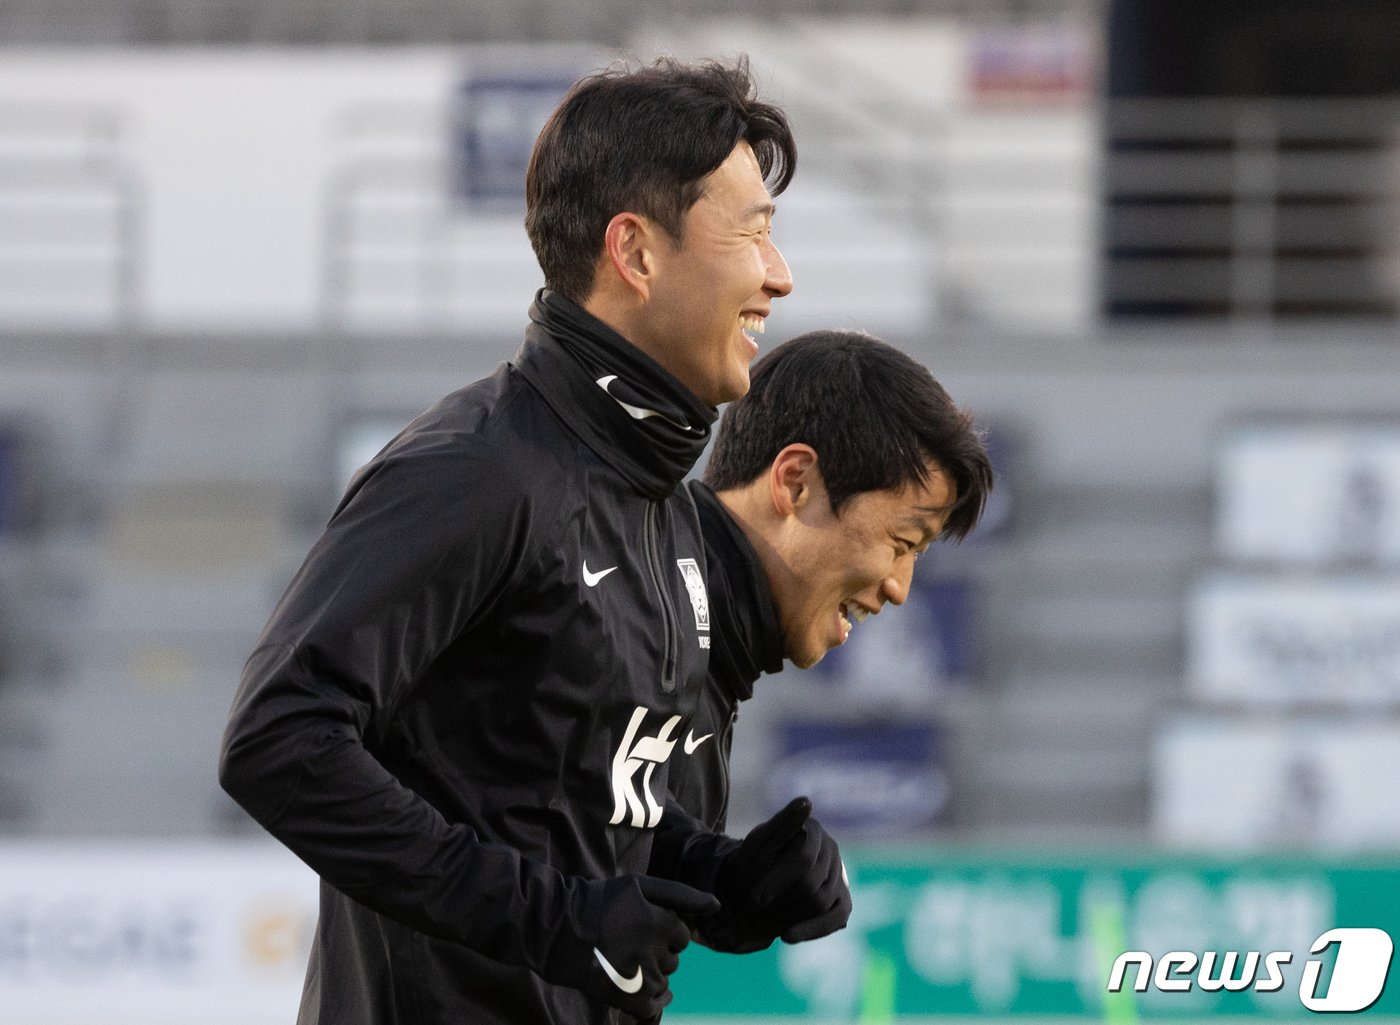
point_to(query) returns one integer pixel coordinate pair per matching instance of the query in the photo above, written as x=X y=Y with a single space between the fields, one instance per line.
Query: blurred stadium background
x=1154 y=244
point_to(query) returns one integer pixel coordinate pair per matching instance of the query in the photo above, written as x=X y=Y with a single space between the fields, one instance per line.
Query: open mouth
x=851 y=614
x=751 y=324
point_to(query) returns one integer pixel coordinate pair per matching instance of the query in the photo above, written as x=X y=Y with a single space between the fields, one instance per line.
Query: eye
x=913 y=548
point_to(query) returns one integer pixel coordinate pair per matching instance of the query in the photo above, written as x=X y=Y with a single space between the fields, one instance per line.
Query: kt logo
x=632 y=755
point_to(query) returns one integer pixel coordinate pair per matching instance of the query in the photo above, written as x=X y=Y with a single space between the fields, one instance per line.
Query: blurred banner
x=878 y=778
x=219 y=933
x=1308 y=782
x=500 y=115
x=1005 y=936
x=1310 y=494
x=145 y=934
x=1279 y=639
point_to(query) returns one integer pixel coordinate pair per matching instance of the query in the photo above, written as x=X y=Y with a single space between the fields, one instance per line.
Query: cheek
x=758 y=272
x=867 y=557
x=742 y=273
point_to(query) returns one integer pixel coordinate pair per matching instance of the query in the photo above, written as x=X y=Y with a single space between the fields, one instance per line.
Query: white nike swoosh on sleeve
x=692 y=741
x=627 y=985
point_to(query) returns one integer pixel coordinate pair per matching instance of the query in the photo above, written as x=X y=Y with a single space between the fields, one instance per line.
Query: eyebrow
x=928 y=510
x=767 y=208
x=921 y=524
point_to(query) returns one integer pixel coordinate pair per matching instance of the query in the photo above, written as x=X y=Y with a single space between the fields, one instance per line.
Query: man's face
x=711 y=294
x=836 y=570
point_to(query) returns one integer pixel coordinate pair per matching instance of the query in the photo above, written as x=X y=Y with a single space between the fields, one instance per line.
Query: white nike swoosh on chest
x=627 y=984
x=692 y=741
x=591 y=579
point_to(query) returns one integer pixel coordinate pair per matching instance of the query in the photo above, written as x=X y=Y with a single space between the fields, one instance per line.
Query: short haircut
x=641 y=140
x=875 y=418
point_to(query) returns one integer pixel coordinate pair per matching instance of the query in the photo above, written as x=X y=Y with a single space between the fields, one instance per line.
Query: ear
x=628 y=244
x=794 y=479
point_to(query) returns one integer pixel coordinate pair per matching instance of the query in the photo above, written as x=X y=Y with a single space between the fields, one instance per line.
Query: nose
x=777 y=280
x=895 y=587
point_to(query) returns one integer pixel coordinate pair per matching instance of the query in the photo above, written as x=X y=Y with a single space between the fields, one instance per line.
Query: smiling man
x=842 y=464
x=463 y=712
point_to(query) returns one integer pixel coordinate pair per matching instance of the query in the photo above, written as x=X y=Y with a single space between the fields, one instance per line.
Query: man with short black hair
x=844 y=461
x=463 y=711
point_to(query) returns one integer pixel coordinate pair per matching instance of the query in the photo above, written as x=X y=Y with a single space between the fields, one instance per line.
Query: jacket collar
x=747 y=641
x=632 y=412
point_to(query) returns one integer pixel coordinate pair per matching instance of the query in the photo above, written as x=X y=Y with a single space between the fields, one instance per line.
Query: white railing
x=69 y=213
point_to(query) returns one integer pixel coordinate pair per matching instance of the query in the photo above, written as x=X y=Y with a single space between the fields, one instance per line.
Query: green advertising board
x=1004 y=936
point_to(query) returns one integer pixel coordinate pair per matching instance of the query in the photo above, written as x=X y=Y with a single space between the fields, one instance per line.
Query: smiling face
x=710 y=294
x=828 y=572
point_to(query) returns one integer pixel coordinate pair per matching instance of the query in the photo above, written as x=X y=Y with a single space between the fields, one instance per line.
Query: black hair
x=876 y=418
x=641 y=140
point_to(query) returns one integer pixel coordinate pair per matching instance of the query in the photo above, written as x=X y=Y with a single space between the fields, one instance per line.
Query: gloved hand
x=785 y=879
x=628 y=936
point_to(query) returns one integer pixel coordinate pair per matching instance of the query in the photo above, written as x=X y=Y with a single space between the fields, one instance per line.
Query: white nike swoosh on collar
x=591 y=579
x=637 y=412
x=627 y=985
x=692 y=741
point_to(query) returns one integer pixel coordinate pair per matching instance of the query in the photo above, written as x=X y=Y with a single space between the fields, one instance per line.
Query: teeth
x=752 y=323
x=852 y=614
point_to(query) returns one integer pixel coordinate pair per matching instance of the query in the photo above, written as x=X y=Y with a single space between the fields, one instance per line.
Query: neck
x=749 y=508
x=624 y=317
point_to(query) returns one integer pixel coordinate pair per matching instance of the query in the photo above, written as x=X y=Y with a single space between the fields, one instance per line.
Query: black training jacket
x=746 y=642
x=471 y=690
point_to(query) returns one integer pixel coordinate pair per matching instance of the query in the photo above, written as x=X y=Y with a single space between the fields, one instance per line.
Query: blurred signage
x=1001 y=935
x=1314 y=783
x=1317 y=494
x=1295 y=639
x=1030 y=64
x=219 y=933
x=500 y=116
x=116 y=934
x=910 y=651
x=875 y=778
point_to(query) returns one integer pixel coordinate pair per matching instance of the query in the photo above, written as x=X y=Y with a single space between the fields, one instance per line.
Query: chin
x=733 y=390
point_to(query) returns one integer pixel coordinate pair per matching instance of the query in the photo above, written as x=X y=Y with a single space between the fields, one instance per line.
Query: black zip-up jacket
x=470 y=692
x=746 y=642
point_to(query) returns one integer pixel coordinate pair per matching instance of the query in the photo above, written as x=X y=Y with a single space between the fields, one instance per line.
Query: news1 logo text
x=1358 y=974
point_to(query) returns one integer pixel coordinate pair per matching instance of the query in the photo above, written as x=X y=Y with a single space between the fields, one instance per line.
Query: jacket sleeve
x=684 y=849
x=418 y=551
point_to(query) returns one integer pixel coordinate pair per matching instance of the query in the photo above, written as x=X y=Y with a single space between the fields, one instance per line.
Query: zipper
x=725 y=741
x=668 y=614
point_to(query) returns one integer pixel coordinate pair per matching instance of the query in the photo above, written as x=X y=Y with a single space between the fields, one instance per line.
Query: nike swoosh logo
x=591 y=579
x=637 y=412
x=692 y=741
x=623 y=983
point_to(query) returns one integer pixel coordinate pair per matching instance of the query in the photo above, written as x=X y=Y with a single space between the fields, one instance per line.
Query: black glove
x=785 y=879
x=628 y=936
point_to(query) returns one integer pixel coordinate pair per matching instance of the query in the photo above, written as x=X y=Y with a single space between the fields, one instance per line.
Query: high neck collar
x=631 y=411
x=748 y=641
